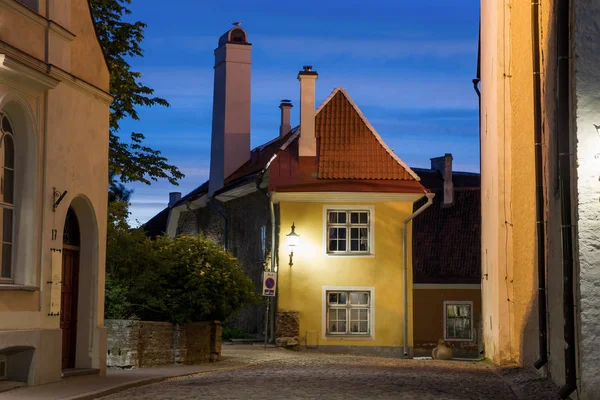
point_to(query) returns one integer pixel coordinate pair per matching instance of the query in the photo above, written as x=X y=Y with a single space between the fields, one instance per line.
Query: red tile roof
x=350 y=148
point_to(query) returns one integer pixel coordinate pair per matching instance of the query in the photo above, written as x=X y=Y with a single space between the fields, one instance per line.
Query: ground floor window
x=458 y=320
x=348 y=312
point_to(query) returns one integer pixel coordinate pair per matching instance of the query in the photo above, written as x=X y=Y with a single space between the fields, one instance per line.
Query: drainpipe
x=564 y=178
x=539 y=187
x=405 y=265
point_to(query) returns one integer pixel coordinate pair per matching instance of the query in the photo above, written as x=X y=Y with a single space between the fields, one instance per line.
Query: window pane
x=9 y=152
x=354 y=245
x=342 y=246
x=342 y=327
x=342 y=298
x=354 y=327
x=364 y=218
x=333 y=326
x=342 y=217
x=354 y=218
x=7 y=225
x=7 y=186
x=359 y=298
x=333 y=298
x=6 y=260
x=364 y=315
x=364 y=233
x=364 y=326
x=341 y=233
x=354 y=233
x=332 y=217
x=450 y=328
x=353 y=313
x=364 y=245
x=6 y=125
x=451 y=311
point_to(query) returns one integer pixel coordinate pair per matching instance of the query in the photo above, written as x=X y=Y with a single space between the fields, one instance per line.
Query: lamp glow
x=292 y=241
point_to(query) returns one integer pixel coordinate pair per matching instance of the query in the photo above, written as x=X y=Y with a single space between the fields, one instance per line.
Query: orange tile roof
x=349 y=147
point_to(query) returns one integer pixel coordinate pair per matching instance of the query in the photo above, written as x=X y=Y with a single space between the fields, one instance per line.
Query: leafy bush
x=177 y=280
x=234 y=333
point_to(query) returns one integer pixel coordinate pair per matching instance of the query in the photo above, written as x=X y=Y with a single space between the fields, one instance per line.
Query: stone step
x=70 y=372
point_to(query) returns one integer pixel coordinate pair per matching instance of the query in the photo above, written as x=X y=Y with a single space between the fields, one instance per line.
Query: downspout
x=564 y=178
x=539 y=187
x=430 y=197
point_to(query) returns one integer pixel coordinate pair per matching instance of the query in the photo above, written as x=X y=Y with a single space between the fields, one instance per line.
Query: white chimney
x=285 y=127
x=307 y=141
x=174 y=197
x=230 y=141
x=444 y=166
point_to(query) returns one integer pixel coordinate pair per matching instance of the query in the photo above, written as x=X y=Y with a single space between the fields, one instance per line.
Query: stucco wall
x=586 y=79
x=428 y=319
x=301 y=286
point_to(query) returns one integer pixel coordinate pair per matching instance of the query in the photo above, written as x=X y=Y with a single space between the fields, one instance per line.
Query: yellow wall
x=301 y=286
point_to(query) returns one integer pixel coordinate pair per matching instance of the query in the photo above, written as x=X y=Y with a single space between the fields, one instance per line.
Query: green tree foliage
x=121 y=42
x=177 y=280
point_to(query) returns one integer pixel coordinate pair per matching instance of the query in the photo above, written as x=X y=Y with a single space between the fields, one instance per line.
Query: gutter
x=430 y=197
x=539 y=188
x=564 y=177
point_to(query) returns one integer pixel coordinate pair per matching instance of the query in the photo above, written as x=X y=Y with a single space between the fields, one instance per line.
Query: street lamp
x=292 y=240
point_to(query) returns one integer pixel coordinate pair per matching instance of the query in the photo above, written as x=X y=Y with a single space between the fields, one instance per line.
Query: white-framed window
x=7 y=198
x=349 y=231
x=458 y=320
x=348 y=311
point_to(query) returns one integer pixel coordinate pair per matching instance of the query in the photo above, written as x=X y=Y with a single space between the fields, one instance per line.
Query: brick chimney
x=308 y=141
x=230 y=141
x=174 y=197
x=285 y=127
x=444 y=166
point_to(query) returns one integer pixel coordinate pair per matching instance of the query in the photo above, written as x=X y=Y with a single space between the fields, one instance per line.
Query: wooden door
x=68 y=305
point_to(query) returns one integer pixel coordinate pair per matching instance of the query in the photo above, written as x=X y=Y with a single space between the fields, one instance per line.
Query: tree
x=121 y=41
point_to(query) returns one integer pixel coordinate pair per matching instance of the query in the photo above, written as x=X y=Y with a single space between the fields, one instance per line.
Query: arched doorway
x=69 y=289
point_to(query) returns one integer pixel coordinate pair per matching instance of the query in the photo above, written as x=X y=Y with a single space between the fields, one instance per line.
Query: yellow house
x=349 y=198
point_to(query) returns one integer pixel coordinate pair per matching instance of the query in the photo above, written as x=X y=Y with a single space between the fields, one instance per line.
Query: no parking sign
x=269 y=283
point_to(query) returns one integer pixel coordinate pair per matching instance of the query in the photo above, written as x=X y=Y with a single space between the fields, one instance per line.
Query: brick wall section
x=134 y=344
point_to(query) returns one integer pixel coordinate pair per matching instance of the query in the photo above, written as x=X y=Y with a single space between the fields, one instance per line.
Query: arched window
x=7 y=200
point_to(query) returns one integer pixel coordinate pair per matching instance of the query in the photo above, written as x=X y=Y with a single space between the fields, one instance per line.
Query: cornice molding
x=29 y=76
x=80 y=84
x=38 y=18
x=344 y=197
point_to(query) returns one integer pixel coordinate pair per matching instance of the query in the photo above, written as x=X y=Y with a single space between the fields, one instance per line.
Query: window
x=7 y=201
x=458 y=320
x=349 y=231
x=348 y=312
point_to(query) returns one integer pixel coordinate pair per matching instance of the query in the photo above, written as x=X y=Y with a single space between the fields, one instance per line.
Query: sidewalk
x=94 y=386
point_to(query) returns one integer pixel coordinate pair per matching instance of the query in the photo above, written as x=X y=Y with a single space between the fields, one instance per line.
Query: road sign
x=269 y=283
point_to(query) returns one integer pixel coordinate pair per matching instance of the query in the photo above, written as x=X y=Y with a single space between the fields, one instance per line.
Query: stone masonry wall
x=134 y=344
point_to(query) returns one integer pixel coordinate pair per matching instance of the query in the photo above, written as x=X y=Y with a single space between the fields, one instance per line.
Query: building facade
x=447 y=262
x=539 y=150
x=54 y=107
x=349 y=281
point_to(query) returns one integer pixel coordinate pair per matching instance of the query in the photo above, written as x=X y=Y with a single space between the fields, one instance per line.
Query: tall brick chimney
x=308 y=141
x=444 y=166
x=174 y=197
x=230 y=142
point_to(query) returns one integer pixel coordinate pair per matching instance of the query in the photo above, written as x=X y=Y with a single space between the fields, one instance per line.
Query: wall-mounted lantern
x=292 y=241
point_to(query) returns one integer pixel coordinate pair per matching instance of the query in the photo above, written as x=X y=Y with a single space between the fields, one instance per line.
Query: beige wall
x=508 y=187
x=61 y=118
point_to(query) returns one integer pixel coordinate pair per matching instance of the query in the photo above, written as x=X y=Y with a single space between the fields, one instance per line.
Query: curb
x=144 y=382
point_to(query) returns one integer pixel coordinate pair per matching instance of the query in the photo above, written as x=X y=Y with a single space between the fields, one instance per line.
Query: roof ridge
x=369 y=126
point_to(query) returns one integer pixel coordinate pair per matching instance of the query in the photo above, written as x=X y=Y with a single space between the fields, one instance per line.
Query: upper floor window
x=458 y=320
x=349 y=231
x=7 y=194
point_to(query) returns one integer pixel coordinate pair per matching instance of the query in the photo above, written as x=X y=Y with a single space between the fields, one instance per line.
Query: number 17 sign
x=269 y=283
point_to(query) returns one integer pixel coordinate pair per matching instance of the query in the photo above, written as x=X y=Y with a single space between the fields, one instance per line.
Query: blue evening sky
x=407 y=64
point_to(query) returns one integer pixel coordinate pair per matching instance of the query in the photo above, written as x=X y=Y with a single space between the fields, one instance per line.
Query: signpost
x=269 y=289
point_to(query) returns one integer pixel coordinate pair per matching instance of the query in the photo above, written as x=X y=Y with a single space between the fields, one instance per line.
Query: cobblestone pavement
x=280 y=374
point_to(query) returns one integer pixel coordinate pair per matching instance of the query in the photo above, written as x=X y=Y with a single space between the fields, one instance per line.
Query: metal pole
x=266 y=321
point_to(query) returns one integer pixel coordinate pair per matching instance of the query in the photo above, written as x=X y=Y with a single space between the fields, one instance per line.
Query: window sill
x=12 y=286
x=458 y=340
x=344 y=255
x=349 y=337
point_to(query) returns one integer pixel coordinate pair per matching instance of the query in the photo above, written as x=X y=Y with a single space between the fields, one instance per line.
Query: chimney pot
x=174 y=197
x=444 y=166
x=307 y=67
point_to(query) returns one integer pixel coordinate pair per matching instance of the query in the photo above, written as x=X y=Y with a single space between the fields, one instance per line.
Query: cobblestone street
x=278 y=374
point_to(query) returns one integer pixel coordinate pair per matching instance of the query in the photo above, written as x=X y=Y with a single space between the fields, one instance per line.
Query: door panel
x=68 y=313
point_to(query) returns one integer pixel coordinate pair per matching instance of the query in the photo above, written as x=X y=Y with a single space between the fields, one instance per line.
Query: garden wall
x=134 y=344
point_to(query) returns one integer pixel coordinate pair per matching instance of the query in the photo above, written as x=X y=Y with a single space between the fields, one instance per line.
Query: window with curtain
x=348 y=232
x=7 y=194
x=458 y=320
x=348 y=313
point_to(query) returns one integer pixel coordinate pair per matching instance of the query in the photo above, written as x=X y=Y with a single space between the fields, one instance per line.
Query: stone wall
x=134 y=344
x=287 y=331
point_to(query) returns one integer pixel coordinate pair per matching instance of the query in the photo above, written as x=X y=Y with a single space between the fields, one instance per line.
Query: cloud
x=326 y=47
